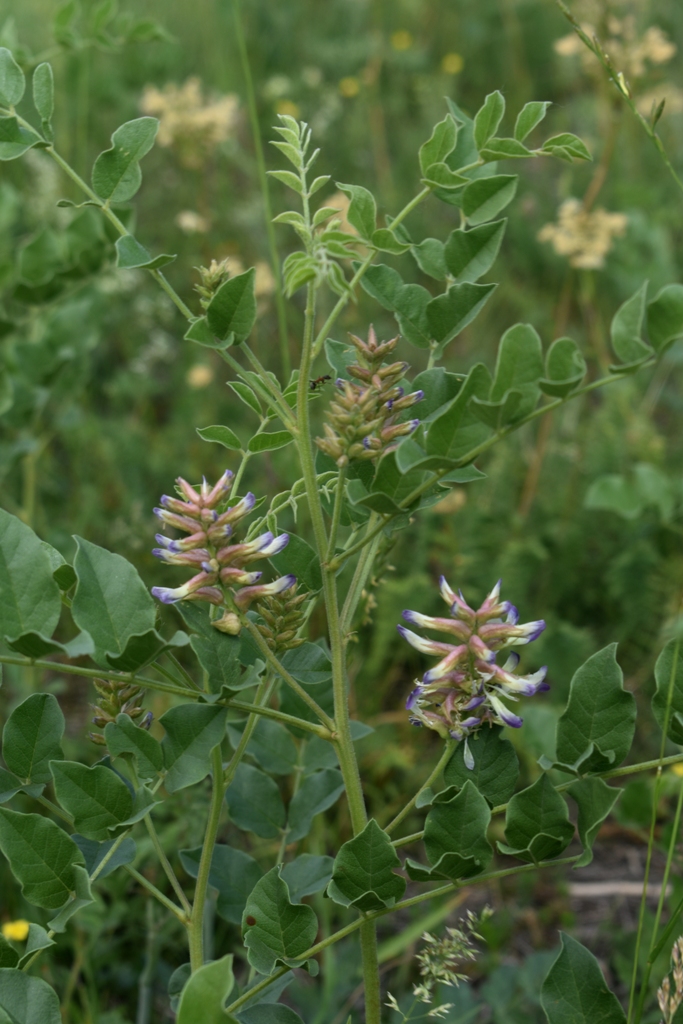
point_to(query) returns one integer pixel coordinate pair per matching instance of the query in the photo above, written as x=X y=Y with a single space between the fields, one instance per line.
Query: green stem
x=360 y=576
x=96 y=673
x=349 y=929
x=650 y=847
x=158 y=895
x=274 y=663
x=336 y=514
x=342 y=301
x=660 y=906
x=280 y=716
x=265 y=193
x=368 y=948
x=434 y=775
x=166 y=865
x=195 y=931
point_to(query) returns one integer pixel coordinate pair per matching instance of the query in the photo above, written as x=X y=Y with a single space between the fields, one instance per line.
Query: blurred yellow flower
x=199 y=376
x=452 y=64
x=287 y=107
x=401 y=40
x=677 y=769
x=15 y=931
x=584 y=236
x=349 y=87
x=190 y=123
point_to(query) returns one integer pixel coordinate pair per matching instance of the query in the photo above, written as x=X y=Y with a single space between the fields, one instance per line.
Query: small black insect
x=319 y=381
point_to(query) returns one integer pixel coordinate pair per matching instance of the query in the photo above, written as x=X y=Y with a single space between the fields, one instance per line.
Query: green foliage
x=124 y=737
x=31 y=601
x=116 y=174
x=26 y=999
x=575 y=991
x=32 y=738
x=667 y=702
x=42 y=856
x=96 y=798
x=205 y=994
x=232 y=310
x=455 y=836
x=276 y=931
x=595 y=731
x=595 y=799
x=192 y=732
x=496 y=766
x=233 y=874
x=363 y=875
x=537 y=825
x=254 y=802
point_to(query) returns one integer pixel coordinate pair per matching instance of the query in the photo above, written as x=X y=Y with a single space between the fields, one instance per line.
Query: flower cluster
x=362 y=420
x=117 y=698
x=223 y=577
x=283 y=617
x=670 y=997
x=585 y=236
x=188 y=122
x=466 y=686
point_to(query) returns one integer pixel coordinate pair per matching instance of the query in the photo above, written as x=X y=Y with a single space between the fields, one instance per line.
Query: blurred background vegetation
x=581 y=513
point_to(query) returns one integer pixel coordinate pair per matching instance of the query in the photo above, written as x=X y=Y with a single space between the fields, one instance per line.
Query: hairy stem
x=195 y=930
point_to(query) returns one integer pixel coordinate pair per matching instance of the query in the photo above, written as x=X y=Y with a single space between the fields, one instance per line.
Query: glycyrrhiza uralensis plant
x=375 y=444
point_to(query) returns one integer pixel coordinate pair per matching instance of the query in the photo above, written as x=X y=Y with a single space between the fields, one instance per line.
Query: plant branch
x=96 y=673
x=436 y=772
x=164 y=900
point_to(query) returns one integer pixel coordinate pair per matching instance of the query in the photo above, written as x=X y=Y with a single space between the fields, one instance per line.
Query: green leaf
x=271 y=745
x=111 y=602
x=665 y=317
x=41 y=258
x=232 y=310
x=289 y=179
x=95 y=853
x=440 y=144
x=32 y=738
x=449 y=314
x=537 y=825
x=96 y=798
x=63 y=573
x=363 y=875
x=496 y=766
x=200 y=332
x=595 y=799
x=8 y=954
x=247 y=395
x=488 y=118
x=270 y=1013
x=457 y=431
x=220 y=435
x=192 y=732
x=12 y=82
x=37 y=940
x=411 y=305
x=504 y=149
x=218 y=653
x=455 y=835
x=10 y=785
x=614 y=493
x=81 y=897
x=29 y=597
x=306 y=875
x=565 y=368
x=203 y=998
x=486 y=197
x=125 y=737
x=269 y=442
x=596 y=729
x=386 y=241
x=275 y=931
x=519 y=364
x=627 y=328
x=308 y=664
x=144 y=648
x=233 y=874
x=131 y=255
x=469 y=254
x=15 y=140
x=669 y=679
x=383 y=284
x=529 y=116
x=315 y=794
x=116 y=174
x=430 y=258
x=254 y=802
x=566 y=147
x=575 y=992
x=42 y=857
x=440 y=176
x=27 y=1000
x=439 y=387
x=300 y=558
x=362 y=211
x=44 y=97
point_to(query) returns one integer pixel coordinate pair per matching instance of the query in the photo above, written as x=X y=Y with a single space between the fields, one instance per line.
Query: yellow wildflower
x=287 y=107
x=15 y=931
x=199 y=376
x=584 y=236
x=401 y=40
x=452 y=64
x=349 y=87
